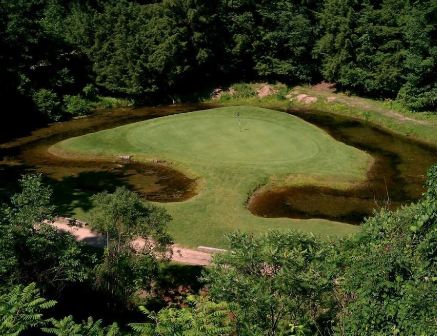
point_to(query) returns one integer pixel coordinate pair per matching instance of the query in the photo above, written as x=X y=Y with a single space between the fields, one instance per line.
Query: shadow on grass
x=74 y=192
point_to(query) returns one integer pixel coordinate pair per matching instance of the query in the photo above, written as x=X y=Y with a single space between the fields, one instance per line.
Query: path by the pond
x=85 y=234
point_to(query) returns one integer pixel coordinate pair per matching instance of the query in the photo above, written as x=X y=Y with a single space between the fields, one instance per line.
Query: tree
x=271 y=40
x=123 y=217
x=286 y=36
x=33 y=204
x=419 y=91
x=35 y=251
x=21 y=308
x=276 y=280
x=390 y=272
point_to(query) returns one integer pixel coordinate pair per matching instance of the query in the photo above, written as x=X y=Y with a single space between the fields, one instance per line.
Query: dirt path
x=327 y=90
x=85 y=234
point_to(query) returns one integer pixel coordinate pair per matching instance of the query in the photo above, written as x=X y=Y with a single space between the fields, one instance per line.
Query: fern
x=203 y=318
x=21 y=308
x=67 y=327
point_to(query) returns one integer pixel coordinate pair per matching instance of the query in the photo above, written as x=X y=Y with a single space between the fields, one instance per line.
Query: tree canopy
x=161 y=51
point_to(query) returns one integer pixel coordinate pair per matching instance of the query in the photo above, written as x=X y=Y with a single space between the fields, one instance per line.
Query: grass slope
x=387 y=115
x=231 y=159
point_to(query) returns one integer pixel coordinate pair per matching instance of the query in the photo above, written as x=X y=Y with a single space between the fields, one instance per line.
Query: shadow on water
x=73 y=186
x=396 y=178
x=75 y=181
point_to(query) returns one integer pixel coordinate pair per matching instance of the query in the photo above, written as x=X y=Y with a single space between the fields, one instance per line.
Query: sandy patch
x=265 y=90
x=306 y=99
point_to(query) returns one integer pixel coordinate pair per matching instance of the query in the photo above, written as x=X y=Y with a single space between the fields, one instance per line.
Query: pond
x=396 y=178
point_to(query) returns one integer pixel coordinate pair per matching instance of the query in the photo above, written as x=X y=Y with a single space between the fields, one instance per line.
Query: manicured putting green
x=223 y=137
x=232 y=150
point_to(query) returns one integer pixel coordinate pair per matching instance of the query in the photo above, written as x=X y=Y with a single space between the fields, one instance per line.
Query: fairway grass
x=232 y=151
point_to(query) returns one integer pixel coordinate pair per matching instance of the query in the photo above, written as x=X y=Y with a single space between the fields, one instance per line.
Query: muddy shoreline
x=396 y=178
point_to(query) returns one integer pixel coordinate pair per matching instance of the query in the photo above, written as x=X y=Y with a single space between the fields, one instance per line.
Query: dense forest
x=57 y=56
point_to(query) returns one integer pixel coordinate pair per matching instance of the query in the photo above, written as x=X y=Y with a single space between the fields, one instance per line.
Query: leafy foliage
x=67 y=327
x=123 y=217
x=40 y=67
x=277 y=279
x=162 y=51
x=383 y=48
x=389 y=281
x=76 y=105
x=33 y=204
x=21 y=308
x=34 y=251
x=48 y=103
x=202 y=317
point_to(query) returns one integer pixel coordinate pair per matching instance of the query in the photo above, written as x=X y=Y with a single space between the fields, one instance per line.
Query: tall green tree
x=123 y=217
x=419 y=92
x=33 y=250
x=286 y=37
x=278 y=280
x=362 y=46
x=389 y=280
x=271 y=40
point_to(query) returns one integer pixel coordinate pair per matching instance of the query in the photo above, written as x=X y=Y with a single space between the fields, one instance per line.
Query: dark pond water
x=75 y=181
x=396 y=178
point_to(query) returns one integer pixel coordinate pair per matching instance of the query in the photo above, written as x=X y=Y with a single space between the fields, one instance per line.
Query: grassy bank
x=232 y=151
x=387 y=115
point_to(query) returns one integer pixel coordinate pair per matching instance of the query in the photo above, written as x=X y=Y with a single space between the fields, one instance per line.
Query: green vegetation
x=62 y=59
x=21 y=309
x=173 y=50
x=201 y=317
x=388 y=115
x=232 y=151
x=384 y=49
x=123 y=217
x=33 y=251
x=76 y=106
x=286 y=285
x=380 y=281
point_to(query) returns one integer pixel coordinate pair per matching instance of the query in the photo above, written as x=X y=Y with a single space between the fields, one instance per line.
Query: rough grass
x=231 y=159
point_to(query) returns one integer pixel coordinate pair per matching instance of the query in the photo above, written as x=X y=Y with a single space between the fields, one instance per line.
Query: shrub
x=243 y=90
x=390 y=268
x=47 y=103
x=76 y=105
x=90 y=92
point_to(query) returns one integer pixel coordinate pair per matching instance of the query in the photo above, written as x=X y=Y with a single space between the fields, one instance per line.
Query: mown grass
x=231 y=159
x=388 y=115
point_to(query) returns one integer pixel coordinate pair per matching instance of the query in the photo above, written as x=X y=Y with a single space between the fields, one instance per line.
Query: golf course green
x=232 y=151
